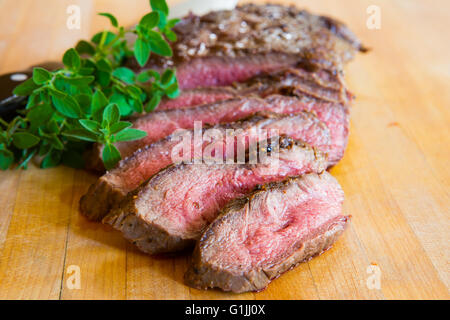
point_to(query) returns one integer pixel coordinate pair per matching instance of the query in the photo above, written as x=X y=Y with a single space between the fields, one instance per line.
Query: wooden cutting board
x=395 y=173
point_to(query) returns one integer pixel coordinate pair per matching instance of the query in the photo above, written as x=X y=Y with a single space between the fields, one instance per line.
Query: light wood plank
x=8 y=184
x=98 y=252
x=31 y=263
x=156 y=278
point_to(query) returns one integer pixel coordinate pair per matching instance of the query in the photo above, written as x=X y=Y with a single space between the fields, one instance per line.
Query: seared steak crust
x=170 y=211
x=226 y=46
x=257 y=238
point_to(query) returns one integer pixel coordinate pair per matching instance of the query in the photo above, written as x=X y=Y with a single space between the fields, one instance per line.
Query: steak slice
x=320 y=84
x=160 y=124
x=197 y=97
x=225 y=46
x=171 y=210
x=335 y=116
x=112 y=187
x=259 y=237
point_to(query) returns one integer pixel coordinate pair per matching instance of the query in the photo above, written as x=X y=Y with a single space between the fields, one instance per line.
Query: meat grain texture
x=170 y=211
x=113 y=186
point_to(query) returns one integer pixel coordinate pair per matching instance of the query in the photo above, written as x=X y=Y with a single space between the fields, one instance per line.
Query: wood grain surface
x=395 y=173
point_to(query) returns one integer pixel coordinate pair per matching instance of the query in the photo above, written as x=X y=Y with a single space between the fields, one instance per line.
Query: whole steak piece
x=257 y=238
x=171 y=210
x=113 y=186
x=225 y=46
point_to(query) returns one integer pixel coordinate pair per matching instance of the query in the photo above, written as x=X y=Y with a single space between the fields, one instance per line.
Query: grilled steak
x=170 y=211
x=323 y=86
x=259 y=237
x=160 y=124
x=112 y=187
x=197 y=97
x=335 y=116
x=222 y=47
x=320 y=84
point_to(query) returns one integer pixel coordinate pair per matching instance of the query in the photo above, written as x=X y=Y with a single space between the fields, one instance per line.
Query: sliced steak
x=222 y=47
x=112 y=187
x=257 y=238
x=160 y=124
x=171 y=210
x=335 y=116
x=197 y=97
x=321 y=84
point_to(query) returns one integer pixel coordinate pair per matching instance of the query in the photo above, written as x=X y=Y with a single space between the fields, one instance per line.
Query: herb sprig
x=85 y=102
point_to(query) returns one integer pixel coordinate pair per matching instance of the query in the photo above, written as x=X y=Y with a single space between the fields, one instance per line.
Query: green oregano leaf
x=171 y=36
x=172 y=22
x=72 y=60
x=24 y=140
x=173 y=91
x=40 y=115
x=122 y=102
x=41 y=76
x=119 y=126
x=108 y=38
x=6 y=159
x=91 y=125
x=111 y=18
x=25 y=88
x=141 y=51
x=150 y=20
x=168 y=77
x=154 y=102
x=130 y=134
x=111 y=114
x=161 y=47
x=99 y=101
x=67 y=106
x=84 y=47
x=160 y=5
x=124 y=74
x=111 y=156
